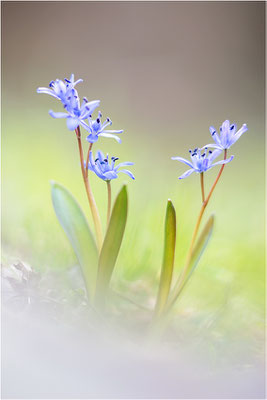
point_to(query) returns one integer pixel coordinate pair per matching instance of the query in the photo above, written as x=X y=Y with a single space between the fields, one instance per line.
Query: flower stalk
x=109 y=202
x=90 y=196
x=205 y=202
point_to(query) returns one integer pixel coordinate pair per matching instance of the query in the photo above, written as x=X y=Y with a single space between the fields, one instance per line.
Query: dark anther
x=96 y=159
x=98 y=120
x=190 y=151
x=85 y=99
x=108 y=119
x=102 y=162
x=220 y=128
x=51 y=84
x=202 y=155
x=213 y=133
x=232 y=127
x=90 y=116
x=105 y=160
x=210 y=151
x=195 y=149
x=67 y=80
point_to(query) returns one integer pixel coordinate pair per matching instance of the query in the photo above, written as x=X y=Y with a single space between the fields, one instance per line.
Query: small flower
x=228 y=135
x=59 y=89
x=201 y=162
x=76 y=114
x=96 y=129
x=106 y=170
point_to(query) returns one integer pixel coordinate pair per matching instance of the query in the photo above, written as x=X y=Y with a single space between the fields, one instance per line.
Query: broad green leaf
x=78 y=232
x=111 y=245
x=196 y=255
x=168 y=258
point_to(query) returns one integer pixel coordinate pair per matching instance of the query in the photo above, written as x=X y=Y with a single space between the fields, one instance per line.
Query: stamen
x=232 y=127
x=98 y=120
x=96 y=159
x=210 y=152
x=213 y=133
x=190 y=151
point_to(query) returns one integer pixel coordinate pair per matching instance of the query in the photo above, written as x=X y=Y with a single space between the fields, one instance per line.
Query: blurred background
x=164 y=72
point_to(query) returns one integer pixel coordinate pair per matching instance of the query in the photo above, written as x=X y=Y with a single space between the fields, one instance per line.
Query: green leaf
x=168 y=258
x=195 y=257
x=111 y=245
x=78 y=232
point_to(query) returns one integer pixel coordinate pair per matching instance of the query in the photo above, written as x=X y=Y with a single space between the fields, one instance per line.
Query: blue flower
x=201 y=162
x=96 y=129
x=106 y=170
x=76 y=114
x=228 y=135
x=59 y=89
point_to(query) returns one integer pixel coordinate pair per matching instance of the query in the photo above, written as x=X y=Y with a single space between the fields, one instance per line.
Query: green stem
x=109 y=202
x=181 y=278
x=90 y=196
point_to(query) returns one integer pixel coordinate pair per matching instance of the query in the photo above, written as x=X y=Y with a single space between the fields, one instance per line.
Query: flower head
x=59 y=89
x=201 y=162
x=96 y=128
x=106 y=169
x=76 y=114
x=68 y=95
x=227 y=137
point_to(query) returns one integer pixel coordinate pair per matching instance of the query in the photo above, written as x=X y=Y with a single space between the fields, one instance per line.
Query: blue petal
x=123 y=164
x=100 y=155
x=183 y=160
x=187 y=173
x=214 y=154
x=239 y=133
x=223 y=161
x=125 y=171
x=58 y=114
x=47 y=91
x=113 y=131
x=213 y=146
x=110 y=175
x=72 y=123
x=109 y=135
x=92 y=138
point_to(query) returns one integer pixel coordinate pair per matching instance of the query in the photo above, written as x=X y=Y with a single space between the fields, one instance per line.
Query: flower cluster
x=80 y=114
x=202 y=162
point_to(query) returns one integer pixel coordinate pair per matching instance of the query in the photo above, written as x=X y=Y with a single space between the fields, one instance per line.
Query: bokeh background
x=164 y=72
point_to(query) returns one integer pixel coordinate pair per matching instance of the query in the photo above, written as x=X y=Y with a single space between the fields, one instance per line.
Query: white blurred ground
x=55 y=347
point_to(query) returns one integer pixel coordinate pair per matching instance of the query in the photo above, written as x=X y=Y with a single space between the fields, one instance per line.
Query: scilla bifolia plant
x=201 y=161
x=96 y=257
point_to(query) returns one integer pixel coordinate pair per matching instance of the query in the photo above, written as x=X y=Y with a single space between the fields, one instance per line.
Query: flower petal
x=123 y=164
x=125 y=171
x=113 y=131
x=109 y=135
x=187 y=173
x=72 y=123
x=58 y=114
x=223 y=161
x=110 y=175
x=239 y=133
x=183 y=160
x=47 y=91
x=213 y=146
x=92 y=138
